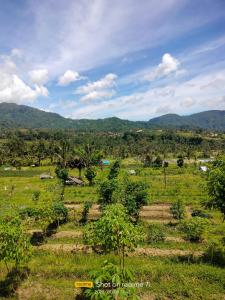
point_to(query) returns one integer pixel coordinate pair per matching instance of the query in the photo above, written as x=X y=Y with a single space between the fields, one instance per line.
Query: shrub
x=134 y=196
x=106 y=190
x=194 y=228
x=36 y=196
x=109 y=284
x=200 y=213
x=157 y=163
x=178 y=209
x=114 y=170
x=85 y=212
x=90 y=174
x=155 y=233
x=113 y=232
x=180 y=162
x=215 y=254
x=14 y=244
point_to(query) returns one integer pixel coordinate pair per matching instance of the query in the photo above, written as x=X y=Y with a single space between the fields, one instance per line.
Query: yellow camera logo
x=84 y=284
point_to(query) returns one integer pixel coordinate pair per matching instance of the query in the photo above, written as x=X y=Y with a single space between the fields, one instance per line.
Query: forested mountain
x=21 y=116
x=213 y=120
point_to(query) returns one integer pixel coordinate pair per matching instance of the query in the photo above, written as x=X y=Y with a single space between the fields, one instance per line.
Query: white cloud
x=97 y=95
x=68 y=77
x=168 y=65
x=99 y=89
x=16 y=52
x=188 y=102
x=181 y=98
x=39 y=76
x=14 y=89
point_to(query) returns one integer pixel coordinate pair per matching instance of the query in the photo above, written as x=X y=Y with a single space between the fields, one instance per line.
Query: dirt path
x=68 y=234
x=157 y=212
x=138 y=252
x=79 y=233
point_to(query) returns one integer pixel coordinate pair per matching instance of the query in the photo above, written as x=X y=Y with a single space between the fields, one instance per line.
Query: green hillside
x=22 y=116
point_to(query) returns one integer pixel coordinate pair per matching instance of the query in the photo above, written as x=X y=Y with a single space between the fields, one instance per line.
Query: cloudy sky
x=100 y=58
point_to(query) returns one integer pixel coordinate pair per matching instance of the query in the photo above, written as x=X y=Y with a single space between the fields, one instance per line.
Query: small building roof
x=74 y=180
x=203 y=168
x=105 y=162
x=131 y=172
x=46 y=176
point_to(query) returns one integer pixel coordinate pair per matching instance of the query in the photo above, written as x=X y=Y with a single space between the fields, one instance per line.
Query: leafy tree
x=155 y=233
x=194 y=228
x=180 y=161
x=114 y=170
x=178 y=209
x=106 y=191
x=85 y=212
x=113 y=232
x=62 y=175
x=63 y=151
x=148 y=161
x=165 y=166
x=157 y=163
x=39 y=150
x=134 y=196
x=90 y=175
x=14 y=244
x=216 y=188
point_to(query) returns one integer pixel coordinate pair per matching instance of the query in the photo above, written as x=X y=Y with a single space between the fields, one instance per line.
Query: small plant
x=155 y=233
x=90 y=174
x=110 y=283
x=215 y=254
x=178 y=210
x=85 y=212
x=36 y=196
x=194 y=228
x=11 y=190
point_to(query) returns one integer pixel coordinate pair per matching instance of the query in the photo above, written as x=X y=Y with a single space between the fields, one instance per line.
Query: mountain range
x=21 y=116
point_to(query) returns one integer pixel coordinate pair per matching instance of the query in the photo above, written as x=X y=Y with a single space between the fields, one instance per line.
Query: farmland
x=169 y=269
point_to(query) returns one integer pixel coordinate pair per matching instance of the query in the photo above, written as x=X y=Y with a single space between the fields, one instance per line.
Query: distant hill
x=22 y=116
x=211 y=120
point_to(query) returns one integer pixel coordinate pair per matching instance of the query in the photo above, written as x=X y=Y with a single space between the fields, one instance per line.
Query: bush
x=90 y=174
x=106 y=190
x=134 y=196
x=155 y=233
x=85 y=212
x=178 y=209
x=14 y=244
x=194 y=228
x=215 y=254
x=108 y=284
x=201 y=214
x=180 y=162
x=114 y=170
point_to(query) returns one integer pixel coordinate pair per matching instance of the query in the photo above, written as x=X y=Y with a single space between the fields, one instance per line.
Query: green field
x=172 y=269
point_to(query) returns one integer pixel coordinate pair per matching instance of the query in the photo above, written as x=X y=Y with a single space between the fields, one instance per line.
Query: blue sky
x=131 y=59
